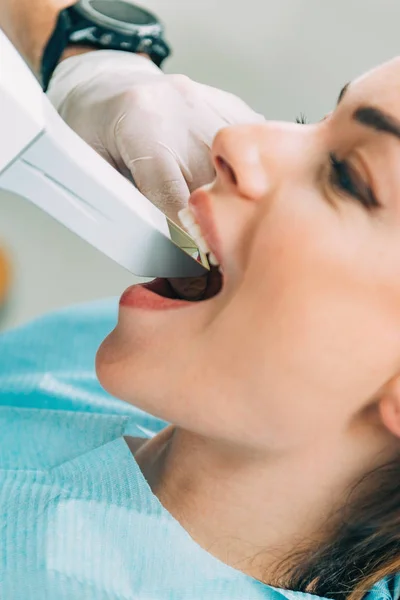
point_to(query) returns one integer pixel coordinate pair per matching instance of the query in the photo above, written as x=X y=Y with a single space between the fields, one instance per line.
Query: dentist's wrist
x=76 y=49
x=87 y=25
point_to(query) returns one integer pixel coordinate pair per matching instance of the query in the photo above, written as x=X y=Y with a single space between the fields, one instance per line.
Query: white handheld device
x=42 y=159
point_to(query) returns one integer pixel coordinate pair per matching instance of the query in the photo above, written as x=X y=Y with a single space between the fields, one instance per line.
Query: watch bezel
x=84 y=9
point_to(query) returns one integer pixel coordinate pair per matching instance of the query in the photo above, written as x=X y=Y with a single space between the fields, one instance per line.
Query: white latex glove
x=154 y=127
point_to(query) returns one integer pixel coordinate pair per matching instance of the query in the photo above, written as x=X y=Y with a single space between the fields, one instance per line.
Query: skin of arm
x=76 y=49
x=29 y=24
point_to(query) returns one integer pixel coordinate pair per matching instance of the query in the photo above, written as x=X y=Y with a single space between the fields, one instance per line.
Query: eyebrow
x=378 y=120
x=374 y=118
x=342 y=93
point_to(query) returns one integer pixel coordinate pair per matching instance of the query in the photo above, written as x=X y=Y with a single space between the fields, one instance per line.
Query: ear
x=389 y=405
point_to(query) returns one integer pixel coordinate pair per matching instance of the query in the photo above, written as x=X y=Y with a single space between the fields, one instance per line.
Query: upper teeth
x=189 y=222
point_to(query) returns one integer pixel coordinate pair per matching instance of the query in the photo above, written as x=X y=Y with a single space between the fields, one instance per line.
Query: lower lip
x=138 y=296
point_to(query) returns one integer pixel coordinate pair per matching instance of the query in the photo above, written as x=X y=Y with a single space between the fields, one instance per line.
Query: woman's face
x=306 y=330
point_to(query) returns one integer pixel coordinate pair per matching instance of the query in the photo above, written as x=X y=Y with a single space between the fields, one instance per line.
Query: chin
x=154 y=367
x=163 y=388
x=106 y=363
x=132 y=375
x=116 y=368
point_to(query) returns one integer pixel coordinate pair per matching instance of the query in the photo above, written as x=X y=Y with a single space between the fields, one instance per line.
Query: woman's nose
x=238 y=161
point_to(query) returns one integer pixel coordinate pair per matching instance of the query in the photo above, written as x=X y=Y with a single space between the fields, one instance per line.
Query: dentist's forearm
x=29 y=25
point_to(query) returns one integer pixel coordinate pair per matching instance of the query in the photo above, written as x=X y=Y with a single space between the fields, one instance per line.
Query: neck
x=251 y=512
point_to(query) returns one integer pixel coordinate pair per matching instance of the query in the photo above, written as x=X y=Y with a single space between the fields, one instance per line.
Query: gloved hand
x=156 y=128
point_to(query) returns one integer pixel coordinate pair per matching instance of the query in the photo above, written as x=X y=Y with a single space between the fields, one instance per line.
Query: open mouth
x=165 y=294
x=188 y=288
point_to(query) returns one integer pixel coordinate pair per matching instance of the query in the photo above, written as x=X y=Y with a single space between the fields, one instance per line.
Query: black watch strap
x=72 y=27
x=55 y=47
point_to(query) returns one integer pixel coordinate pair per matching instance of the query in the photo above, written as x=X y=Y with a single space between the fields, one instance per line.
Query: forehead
x=379 y=87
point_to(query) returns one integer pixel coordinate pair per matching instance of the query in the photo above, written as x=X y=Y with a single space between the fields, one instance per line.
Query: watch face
x=122 y=11
x=118 y=15
x=117 y=25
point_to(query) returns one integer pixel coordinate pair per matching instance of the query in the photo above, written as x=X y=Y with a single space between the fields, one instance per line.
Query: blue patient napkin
x=78 y=520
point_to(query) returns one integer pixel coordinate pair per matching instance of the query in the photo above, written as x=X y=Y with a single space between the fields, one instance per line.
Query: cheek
x=315 y=335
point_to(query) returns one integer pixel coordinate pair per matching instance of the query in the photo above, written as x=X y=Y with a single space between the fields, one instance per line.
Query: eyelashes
x=302 y=119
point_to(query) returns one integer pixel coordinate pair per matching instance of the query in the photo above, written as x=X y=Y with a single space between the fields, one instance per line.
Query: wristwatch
x=106 y=24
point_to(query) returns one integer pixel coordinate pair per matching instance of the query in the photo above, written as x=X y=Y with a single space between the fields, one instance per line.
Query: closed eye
x=346 y=179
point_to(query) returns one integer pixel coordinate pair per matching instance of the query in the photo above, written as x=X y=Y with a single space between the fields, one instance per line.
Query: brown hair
x=365 y=547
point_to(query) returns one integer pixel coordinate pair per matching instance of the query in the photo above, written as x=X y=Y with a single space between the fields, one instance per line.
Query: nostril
x=224 y=166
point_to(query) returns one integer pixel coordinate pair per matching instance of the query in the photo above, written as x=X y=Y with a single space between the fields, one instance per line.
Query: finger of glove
x=209 y=110
x=165 y=157
x=230 y=108
x=161 y=180
x=159 y=177
x=201 y=167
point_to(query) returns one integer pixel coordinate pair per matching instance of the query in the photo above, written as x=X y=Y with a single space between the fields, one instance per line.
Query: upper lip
x=201 y=205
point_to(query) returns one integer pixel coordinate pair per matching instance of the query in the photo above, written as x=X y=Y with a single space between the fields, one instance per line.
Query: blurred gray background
x=283 y=58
